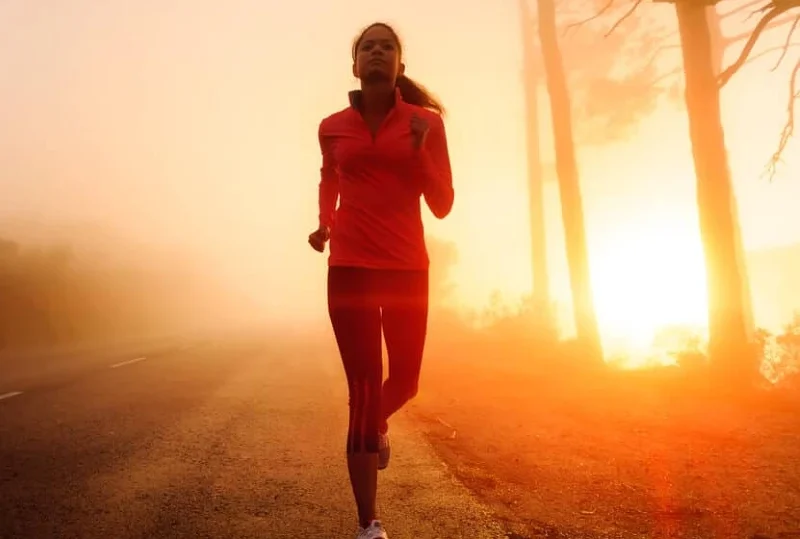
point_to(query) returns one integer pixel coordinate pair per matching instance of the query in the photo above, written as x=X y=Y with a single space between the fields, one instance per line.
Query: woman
x=379 y=156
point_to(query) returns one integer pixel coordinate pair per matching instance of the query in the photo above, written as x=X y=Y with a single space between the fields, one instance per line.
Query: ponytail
x=416 y=94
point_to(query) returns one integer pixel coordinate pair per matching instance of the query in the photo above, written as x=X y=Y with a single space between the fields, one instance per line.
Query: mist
x=148 y=135
x=186 y=134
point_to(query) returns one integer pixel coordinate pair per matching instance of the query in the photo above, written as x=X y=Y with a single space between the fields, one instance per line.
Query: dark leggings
x=363 y=304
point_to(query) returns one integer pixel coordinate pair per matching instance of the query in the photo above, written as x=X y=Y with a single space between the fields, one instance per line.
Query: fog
x=183 y=135
x=151 y=134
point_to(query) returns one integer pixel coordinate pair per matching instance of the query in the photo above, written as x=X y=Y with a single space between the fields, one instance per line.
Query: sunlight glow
x=649 y=278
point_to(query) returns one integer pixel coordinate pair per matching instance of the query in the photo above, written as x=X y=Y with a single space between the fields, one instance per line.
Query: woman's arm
x=329 y=181
x=434 y=170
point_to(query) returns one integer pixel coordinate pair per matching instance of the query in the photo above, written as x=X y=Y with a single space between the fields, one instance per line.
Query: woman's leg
x=356 y=319
x=405 y=324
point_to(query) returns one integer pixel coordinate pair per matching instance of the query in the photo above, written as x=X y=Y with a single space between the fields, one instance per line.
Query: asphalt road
x=214 y=439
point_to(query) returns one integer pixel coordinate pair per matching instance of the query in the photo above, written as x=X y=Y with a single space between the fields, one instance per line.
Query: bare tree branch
x=786 y=44
x=753 y=58
x=738 y=9
x=770 y=50
x=605 y=9
x=776 y=7
x=622 y=19
x=777 y=23
x=788 y=128
x=659 y=50
x=762 y=9
x=667 y=75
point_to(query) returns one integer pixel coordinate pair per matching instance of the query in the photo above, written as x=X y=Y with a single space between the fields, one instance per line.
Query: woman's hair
x=412 y=91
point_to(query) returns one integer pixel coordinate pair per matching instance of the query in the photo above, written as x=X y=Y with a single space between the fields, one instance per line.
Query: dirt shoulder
x=607 y=456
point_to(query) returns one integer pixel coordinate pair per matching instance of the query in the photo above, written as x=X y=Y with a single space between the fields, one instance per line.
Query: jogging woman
x=380 y=156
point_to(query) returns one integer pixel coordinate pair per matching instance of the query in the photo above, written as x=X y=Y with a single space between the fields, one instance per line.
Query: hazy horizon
x=192 y=127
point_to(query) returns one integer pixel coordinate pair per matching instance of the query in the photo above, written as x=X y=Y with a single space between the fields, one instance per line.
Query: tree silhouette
x=774 y=15
x=612 y=90
x=588 y=335
x=730 y=346
x=532 y=74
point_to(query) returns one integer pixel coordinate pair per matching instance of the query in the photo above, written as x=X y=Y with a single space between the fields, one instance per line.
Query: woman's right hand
x=319 y=238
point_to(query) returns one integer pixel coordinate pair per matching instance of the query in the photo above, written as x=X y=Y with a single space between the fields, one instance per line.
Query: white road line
x=9 y=395
x=123 y=363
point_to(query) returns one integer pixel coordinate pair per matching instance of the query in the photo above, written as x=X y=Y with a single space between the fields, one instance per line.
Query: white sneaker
x=384 y=451
x=373 y=531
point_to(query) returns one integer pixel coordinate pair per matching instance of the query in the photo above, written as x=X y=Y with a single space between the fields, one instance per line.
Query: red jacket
x=378 y=183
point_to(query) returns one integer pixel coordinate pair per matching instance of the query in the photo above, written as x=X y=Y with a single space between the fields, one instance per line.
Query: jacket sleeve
x=433 y=162
x=329 y=180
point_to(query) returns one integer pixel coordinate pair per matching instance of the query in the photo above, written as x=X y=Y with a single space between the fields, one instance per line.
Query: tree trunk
x=540 y=275
x=728 y=348
x=569 y=185
x=718 y=47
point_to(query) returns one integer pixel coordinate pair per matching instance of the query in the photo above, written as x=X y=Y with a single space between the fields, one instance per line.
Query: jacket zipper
x=374 y=136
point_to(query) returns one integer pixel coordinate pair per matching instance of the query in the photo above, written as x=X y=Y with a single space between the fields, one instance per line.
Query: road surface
x=219 y=439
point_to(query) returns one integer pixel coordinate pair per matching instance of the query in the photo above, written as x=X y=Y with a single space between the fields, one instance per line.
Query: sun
x=644 y=279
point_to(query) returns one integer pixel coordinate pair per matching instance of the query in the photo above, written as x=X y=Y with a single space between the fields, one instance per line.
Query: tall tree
x=588 y=335
x=728 y=343
x=610 y=92
x=719 y=44
x=730 y=318
x=774 y=17
x=531 y=75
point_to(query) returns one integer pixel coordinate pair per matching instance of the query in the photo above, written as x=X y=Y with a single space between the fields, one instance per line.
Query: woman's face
x=377 y=56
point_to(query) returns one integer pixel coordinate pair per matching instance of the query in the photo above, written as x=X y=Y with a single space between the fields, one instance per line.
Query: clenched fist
x=319 y=238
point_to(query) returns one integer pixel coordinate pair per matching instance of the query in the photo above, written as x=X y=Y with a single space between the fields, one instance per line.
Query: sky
x=193 y=125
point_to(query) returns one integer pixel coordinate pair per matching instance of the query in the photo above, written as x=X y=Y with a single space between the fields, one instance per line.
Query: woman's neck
x=377 y=99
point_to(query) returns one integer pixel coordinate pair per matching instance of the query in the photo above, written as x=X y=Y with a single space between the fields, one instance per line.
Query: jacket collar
x=354 y=97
